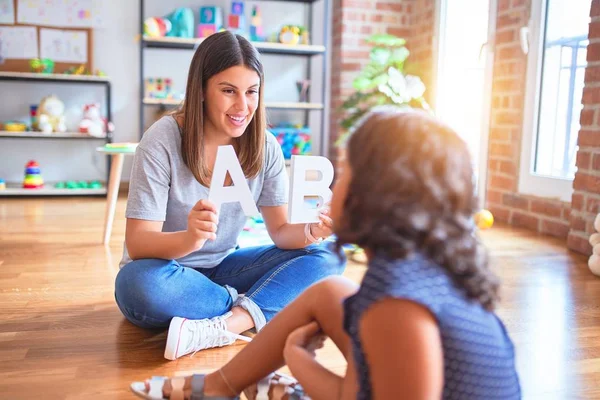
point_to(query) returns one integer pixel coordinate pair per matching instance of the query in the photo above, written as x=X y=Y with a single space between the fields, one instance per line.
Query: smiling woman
x=178 y=270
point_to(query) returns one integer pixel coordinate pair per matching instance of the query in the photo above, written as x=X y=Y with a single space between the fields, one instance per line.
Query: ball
x=484 y=219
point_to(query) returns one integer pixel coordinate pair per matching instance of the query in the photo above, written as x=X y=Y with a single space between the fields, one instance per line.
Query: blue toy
x=182 y=23
x=236 y=21
x=294 y=140
x=211 y=21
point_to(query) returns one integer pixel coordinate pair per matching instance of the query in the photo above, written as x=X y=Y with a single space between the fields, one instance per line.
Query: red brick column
x=586 y=195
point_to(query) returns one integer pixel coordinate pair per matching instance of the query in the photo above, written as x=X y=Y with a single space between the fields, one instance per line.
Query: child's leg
x=322 y=302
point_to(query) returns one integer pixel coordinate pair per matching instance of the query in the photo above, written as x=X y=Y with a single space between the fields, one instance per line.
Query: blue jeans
x=150 y=292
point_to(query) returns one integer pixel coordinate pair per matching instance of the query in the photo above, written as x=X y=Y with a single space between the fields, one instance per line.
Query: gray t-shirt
x=162 y=188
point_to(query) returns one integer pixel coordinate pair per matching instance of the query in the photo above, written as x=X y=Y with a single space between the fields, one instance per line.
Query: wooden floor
x=62 y=336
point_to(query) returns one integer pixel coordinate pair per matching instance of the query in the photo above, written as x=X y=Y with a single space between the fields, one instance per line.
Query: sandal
x=276 y=386
x=156 y=389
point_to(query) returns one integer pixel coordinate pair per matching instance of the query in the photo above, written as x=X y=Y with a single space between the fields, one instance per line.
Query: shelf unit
x=308 y=51
x=40 y=135
x=48 y=190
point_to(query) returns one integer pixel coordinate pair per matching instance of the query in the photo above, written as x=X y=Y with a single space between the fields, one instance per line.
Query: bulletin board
x=74 y=44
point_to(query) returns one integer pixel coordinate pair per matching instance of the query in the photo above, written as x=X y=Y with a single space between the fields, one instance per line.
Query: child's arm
x=317 y=381
x=402 y=346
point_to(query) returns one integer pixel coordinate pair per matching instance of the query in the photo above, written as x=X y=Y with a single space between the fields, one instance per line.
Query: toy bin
x=293 y=140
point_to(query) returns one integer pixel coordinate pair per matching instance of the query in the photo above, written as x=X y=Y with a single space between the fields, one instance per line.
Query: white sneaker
x=189 y=336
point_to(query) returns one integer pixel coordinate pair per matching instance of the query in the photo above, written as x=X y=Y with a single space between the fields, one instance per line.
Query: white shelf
x=49 y=190
x=63 y=135
x=56 y=77
x=263 y=47
x=294 y=106
x=269 y=104
x=163 y=102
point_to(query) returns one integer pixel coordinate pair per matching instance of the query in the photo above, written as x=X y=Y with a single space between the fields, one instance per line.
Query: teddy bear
x=93 y=123
x=51 y=115
x=594 y=260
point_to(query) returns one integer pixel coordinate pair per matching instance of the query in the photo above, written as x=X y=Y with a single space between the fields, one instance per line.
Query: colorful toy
x=161 y=88
x=182 y=23
x=293 y=34
x=15 y=126
x=294 y=139
x=157 y=27
x=93 y=123
x=484 y=219
x=33 y=116
x=44 y=65
x=256 y=31
x=2 y=184
x=50 y=115
x=78 y=185
x=236 y=21
x=33 y=177
x=211 y=21
x=80 y=70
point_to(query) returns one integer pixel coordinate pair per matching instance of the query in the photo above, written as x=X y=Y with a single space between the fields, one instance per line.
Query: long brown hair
x=412 y=191
x=215 y=54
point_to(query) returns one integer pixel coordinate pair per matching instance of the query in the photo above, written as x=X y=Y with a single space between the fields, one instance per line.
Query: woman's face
x=340 y=192
x=230 y=101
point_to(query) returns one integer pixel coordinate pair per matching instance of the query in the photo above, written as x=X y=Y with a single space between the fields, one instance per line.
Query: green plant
x=382 y=81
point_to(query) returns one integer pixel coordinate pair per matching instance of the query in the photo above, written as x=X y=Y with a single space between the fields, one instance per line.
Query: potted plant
x=383 y=81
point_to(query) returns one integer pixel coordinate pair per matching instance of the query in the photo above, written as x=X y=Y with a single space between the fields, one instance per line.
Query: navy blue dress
x=479 y=361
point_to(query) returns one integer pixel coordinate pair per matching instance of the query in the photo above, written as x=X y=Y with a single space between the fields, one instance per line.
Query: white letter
x=301 y=188
x=227 y=161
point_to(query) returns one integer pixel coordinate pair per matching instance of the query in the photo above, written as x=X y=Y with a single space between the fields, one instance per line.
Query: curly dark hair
x=412 y=176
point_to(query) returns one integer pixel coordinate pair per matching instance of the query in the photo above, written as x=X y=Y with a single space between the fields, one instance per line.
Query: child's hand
x=307 y=337
x=202 y=223
x=324 y=228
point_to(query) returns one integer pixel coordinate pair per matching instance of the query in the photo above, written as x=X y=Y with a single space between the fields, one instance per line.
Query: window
x=556 y=68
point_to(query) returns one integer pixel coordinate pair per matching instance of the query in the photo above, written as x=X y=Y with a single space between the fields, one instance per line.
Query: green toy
x=182 y=23
x=44 y=65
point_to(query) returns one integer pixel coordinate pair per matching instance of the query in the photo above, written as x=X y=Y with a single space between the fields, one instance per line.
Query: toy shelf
x=262 y=47
x=40 y=135
x=81 y=139
x=15 y=189
x=315 y=57
x=272 y=105
x=30 y=76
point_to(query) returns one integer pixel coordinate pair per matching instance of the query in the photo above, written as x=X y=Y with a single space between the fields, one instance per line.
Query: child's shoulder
x=414 y=278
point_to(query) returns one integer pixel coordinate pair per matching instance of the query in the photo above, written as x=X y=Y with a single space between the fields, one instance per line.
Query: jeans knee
x=332 y=262
x=135 y=287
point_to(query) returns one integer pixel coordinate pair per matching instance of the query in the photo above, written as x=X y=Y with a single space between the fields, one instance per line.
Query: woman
x=178 y=269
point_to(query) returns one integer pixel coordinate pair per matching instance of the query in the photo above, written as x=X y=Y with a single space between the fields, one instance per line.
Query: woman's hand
x=307 y=337
x=202 y=223
x=323 y=228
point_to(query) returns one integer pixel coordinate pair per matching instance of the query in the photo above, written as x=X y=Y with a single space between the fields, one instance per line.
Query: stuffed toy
x=51 y=115
x=93 y=123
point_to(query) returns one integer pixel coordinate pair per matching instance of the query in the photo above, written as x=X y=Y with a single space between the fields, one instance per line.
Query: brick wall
x=353 y=22
x=586 y=185
x=420 y=43
x=508 y=94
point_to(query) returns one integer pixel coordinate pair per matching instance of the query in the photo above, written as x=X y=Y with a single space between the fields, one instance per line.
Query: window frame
x=531 y=183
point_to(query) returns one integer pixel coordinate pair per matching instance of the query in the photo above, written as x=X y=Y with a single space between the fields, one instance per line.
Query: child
x=421 y=324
